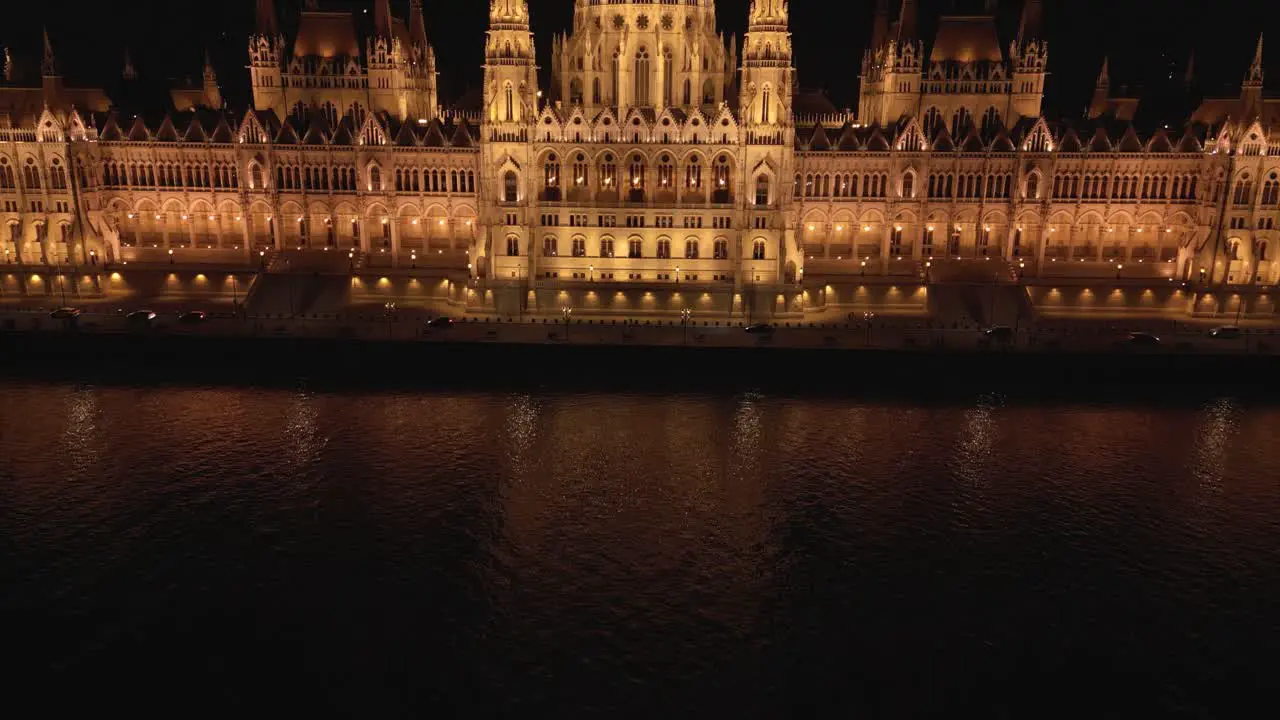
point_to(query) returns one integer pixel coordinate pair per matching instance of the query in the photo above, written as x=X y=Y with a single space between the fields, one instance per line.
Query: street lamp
x=170 y=256
x=592 y=269
x=391 y=311
x=1119 y=267
x=567 y=312
x=685 y=315
x=867 y=317
x=864 y=267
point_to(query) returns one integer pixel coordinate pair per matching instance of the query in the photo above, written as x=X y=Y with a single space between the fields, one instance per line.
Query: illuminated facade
x=660 y=153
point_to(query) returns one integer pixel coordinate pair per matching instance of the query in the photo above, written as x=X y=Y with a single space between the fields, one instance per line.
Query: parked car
x=141 y=317
x=759 y=329
x=999 y=334
x=1226 y=332
x=65 y=313
x=440 y=323
x=1141 y=339
x=192 y=317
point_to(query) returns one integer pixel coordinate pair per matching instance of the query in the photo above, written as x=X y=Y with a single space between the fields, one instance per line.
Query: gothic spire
x=417 y=25
x=1104 y=77
x=49 y=66
x=129 y=72
x=267 y=25
x=382 y=18
x=1255 y=70
x=1029 y=26
x=880 y=27
x=907 y=21
x=209 y=74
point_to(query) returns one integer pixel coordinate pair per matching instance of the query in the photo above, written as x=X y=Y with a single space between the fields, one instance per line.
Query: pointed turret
x=212 y=93
x=1255 y=70
x=267 y=26
x=1101 y=105
x=880 y=26
x=49 y=65
x=1251 y=90
x=382 y=18
x=129 y=72
x=417 y=25
x=907 y=22
x=8 y=65
x=1029 y=27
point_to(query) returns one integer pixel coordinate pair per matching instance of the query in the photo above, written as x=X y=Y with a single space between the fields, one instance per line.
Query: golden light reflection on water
x=1218 y=428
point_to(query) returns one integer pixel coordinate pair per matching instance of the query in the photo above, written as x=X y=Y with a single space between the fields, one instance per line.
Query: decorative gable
x=139 y=132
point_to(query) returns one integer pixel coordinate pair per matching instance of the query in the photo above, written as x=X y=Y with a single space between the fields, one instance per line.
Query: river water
x=181 y=548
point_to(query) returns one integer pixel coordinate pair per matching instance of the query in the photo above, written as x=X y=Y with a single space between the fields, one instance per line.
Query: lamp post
x=391 y=311
x=685 y=316
x=1119 y=267
x=62 y=283
x=567 y=312
x=170 y=256
x=235 y=296
x=868 y=317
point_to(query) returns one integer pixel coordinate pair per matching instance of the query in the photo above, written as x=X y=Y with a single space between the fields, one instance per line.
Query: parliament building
x=661 y=153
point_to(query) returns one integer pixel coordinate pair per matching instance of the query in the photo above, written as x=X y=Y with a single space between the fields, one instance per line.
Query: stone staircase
x=978 y=292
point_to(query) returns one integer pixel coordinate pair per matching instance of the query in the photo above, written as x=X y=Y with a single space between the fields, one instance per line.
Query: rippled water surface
x=382 y=554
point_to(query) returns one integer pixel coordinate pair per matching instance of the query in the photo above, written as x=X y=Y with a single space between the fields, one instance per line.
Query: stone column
x=395 y=242
x=248 y=238
x=1041 y=244
x=884 y=249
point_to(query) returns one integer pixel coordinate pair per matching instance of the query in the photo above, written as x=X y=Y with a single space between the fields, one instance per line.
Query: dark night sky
x=1146 y=41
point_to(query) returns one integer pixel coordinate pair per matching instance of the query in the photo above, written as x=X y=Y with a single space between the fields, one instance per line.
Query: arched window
x=606 y=247
x=990 y=121
x=664 y=248
x=635 y=177
x=595 y=91
x=688 y=92
x=764 y=106
x=693 y=174
x=708 y=92
x=551 y=176
x=31 y=175
x=721 y=250
x=580 y=175
x=961 y=122
x=666 y=172
x=932 y=121
x=762 y=190
x=642 y=79
x=757 y=250
x=575 y=91
x=6 y=175
x=513 y=246
x=909 y=185
x=722 y=174
x=691 y=249
x=510 y=187
x=375 y=179
x=634 y=248
x=1033 y=186
x=1271 y=190
x=608 y=173
x=511 y=103
x=549 y=248
x=668 y=79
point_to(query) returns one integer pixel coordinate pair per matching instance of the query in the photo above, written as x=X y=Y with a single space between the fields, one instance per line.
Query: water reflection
x=1215 y=434
x=537 y=553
